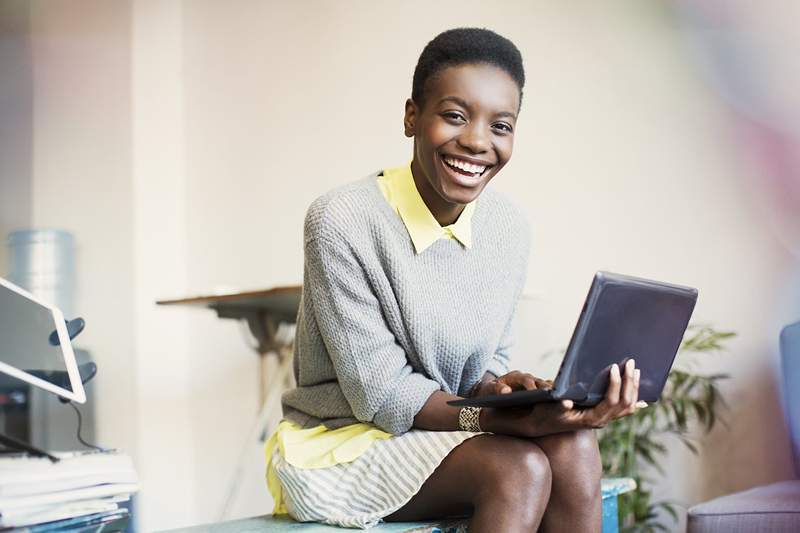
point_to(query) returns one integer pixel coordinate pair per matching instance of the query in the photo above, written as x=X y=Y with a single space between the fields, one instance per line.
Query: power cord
x=80 y=424
x=86 y=371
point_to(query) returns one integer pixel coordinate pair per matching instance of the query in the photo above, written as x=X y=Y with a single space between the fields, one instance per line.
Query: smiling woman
x=464 y=135
x=411 y=278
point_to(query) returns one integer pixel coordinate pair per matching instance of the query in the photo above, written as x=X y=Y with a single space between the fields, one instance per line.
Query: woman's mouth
x=464 y=172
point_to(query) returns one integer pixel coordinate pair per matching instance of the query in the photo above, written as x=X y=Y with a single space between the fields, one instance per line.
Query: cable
x=80 y=423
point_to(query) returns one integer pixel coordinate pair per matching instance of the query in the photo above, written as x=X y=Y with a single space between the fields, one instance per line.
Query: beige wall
x=81 y=181
x=199 y=133
x=165 y=367
x=16 y=121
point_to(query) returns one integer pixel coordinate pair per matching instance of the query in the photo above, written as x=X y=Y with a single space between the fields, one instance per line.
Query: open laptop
x=623 y=317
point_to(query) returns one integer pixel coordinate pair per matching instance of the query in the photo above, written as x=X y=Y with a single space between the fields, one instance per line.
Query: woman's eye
x=504 y=127
x=453 y=116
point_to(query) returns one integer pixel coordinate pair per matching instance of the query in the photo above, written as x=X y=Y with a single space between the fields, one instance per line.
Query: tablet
x=35 y=346
x=623 y=317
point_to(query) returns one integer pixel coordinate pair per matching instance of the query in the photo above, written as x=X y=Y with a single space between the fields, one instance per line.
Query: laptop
x=623 y=317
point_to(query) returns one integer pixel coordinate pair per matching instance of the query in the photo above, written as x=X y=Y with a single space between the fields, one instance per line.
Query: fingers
x=614 y=385
x=629 y=392
x=622 y=396
x=498 y=387
x=517 y=380
x=514 y=380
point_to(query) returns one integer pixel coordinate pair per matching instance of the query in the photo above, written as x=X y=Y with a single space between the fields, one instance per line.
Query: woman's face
x=463 y=135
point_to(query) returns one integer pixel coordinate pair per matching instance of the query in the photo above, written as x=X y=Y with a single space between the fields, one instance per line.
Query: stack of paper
x=82 y=489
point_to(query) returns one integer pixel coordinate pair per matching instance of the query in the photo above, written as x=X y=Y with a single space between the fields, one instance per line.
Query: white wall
x=198 y=134
x=164 y=385
x=81 y=181
x=16 y=122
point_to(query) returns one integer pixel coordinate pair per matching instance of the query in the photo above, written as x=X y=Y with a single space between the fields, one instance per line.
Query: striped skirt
x=360 y=493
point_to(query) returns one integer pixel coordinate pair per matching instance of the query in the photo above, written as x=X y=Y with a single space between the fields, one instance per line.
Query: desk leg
x=276 y=375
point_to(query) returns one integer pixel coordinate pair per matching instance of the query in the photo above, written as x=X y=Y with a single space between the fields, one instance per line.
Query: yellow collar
x=397 y=185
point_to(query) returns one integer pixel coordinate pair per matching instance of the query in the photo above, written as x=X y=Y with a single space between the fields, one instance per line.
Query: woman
x=410 y=283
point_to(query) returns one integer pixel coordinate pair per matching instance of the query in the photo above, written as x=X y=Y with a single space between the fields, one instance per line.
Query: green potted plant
x=688 y=400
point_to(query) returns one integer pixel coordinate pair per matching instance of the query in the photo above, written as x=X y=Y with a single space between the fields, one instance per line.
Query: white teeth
x=463 y=165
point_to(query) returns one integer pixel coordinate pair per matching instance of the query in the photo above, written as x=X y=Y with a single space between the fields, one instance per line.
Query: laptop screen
x=34 y=345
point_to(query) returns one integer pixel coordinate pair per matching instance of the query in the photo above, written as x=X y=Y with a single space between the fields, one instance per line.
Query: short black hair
x=461 y=46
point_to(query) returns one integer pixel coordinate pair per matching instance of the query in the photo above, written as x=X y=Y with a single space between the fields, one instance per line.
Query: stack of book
x=81 y=492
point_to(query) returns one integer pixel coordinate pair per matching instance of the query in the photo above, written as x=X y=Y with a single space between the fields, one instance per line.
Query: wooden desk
x=263 y=310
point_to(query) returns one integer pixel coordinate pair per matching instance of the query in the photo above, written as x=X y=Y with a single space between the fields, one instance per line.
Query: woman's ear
x=410 y=118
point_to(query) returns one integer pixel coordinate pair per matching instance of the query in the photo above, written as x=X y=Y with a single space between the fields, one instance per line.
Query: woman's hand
x=622 y=399
x=512 y=381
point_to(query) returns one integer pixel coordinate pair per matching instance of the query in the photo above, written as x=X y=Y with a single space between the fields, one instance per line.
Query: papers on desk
x=82 y=489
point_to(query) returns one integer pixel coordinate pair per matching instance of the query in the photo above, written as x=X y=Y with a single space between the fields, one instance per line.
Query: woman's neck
x=444 y=212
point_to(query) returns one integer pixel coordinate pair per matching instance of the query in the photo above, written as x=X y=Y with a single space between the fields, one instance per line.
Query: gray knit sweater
x=381 y=328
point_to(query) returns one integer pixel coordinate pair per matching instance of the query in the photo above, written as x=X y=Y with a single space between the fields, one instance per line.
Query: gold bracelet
x=469 y=419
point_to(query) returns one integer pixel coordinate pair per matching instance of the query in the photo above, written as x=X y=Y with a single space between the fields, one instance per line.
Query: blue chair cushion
x=790 y=356
x=774 y=508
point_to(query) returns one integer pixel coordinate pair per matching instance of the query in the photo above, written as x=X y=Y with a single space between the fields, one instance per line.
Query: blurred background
x=180 y=143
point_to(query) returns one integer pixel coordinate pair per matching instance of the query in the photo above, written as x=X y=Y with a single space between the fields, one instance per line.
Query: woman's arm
x=372 y=369
x=542 y=419
x=438 y=415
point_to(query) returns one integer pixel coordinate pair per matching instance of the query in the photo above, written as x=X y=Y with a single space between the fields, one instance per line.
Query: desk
x=263 y=310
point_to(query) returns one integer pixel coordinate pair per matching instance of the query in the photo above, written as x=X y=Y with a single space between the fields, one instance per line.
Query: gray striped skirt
x=379 y=482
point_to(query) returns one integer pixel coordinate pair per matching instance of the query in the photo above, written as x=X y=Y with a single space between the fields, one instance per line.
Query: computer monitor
x=35 y=345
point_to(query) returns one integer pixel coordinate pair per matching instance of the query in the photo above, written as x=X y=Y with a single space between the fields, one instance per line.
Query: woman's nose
x=475 y=139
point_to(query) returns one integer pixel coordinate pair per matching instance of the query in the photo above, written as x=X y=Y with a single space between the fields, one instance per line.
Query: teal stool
x=611 y=488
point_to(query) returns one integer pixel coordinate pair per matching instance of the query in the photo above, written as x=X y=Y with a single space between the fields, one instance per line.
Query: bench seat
x=611 y=488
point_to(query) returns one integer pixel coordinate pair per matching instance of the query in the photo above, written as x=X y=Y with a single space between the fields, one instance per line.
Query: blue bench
x=261 y=524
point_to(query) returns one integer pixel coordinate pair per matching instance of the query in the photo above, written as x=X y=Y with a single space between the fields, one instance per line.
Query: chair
x=776 y=507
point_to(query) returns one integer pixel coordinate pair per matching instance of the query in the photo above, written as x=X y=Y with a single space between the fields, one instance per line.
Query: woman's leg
x=503 y=482
x=575 y=503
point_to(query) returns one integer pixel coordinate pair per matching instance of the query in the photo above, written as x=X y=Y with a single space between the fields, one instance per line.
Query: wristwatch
x=469 y=419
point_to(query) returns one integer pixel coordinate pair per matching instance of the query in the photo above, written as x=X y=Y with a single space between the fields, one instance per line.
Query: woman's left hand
x=514 y=380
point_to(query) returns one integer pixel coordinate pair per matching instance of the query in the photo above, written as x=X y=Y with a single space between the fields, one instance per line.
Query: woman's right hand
x=542 y=419
x=505 y=384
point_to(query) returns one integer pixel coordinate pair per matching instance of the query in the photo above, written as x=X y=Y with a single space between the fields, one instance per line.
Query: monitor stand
x=87 y=371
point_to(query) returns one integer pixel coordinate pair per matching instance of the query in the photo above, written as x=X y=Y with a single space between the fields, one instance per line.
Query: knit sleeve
x=372 y=369
x=498 y=364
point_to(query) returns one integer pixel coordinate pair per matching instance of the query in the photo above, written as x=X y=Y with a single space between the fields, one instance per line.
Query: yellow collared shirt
x=398 y=187
x=316 y=447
